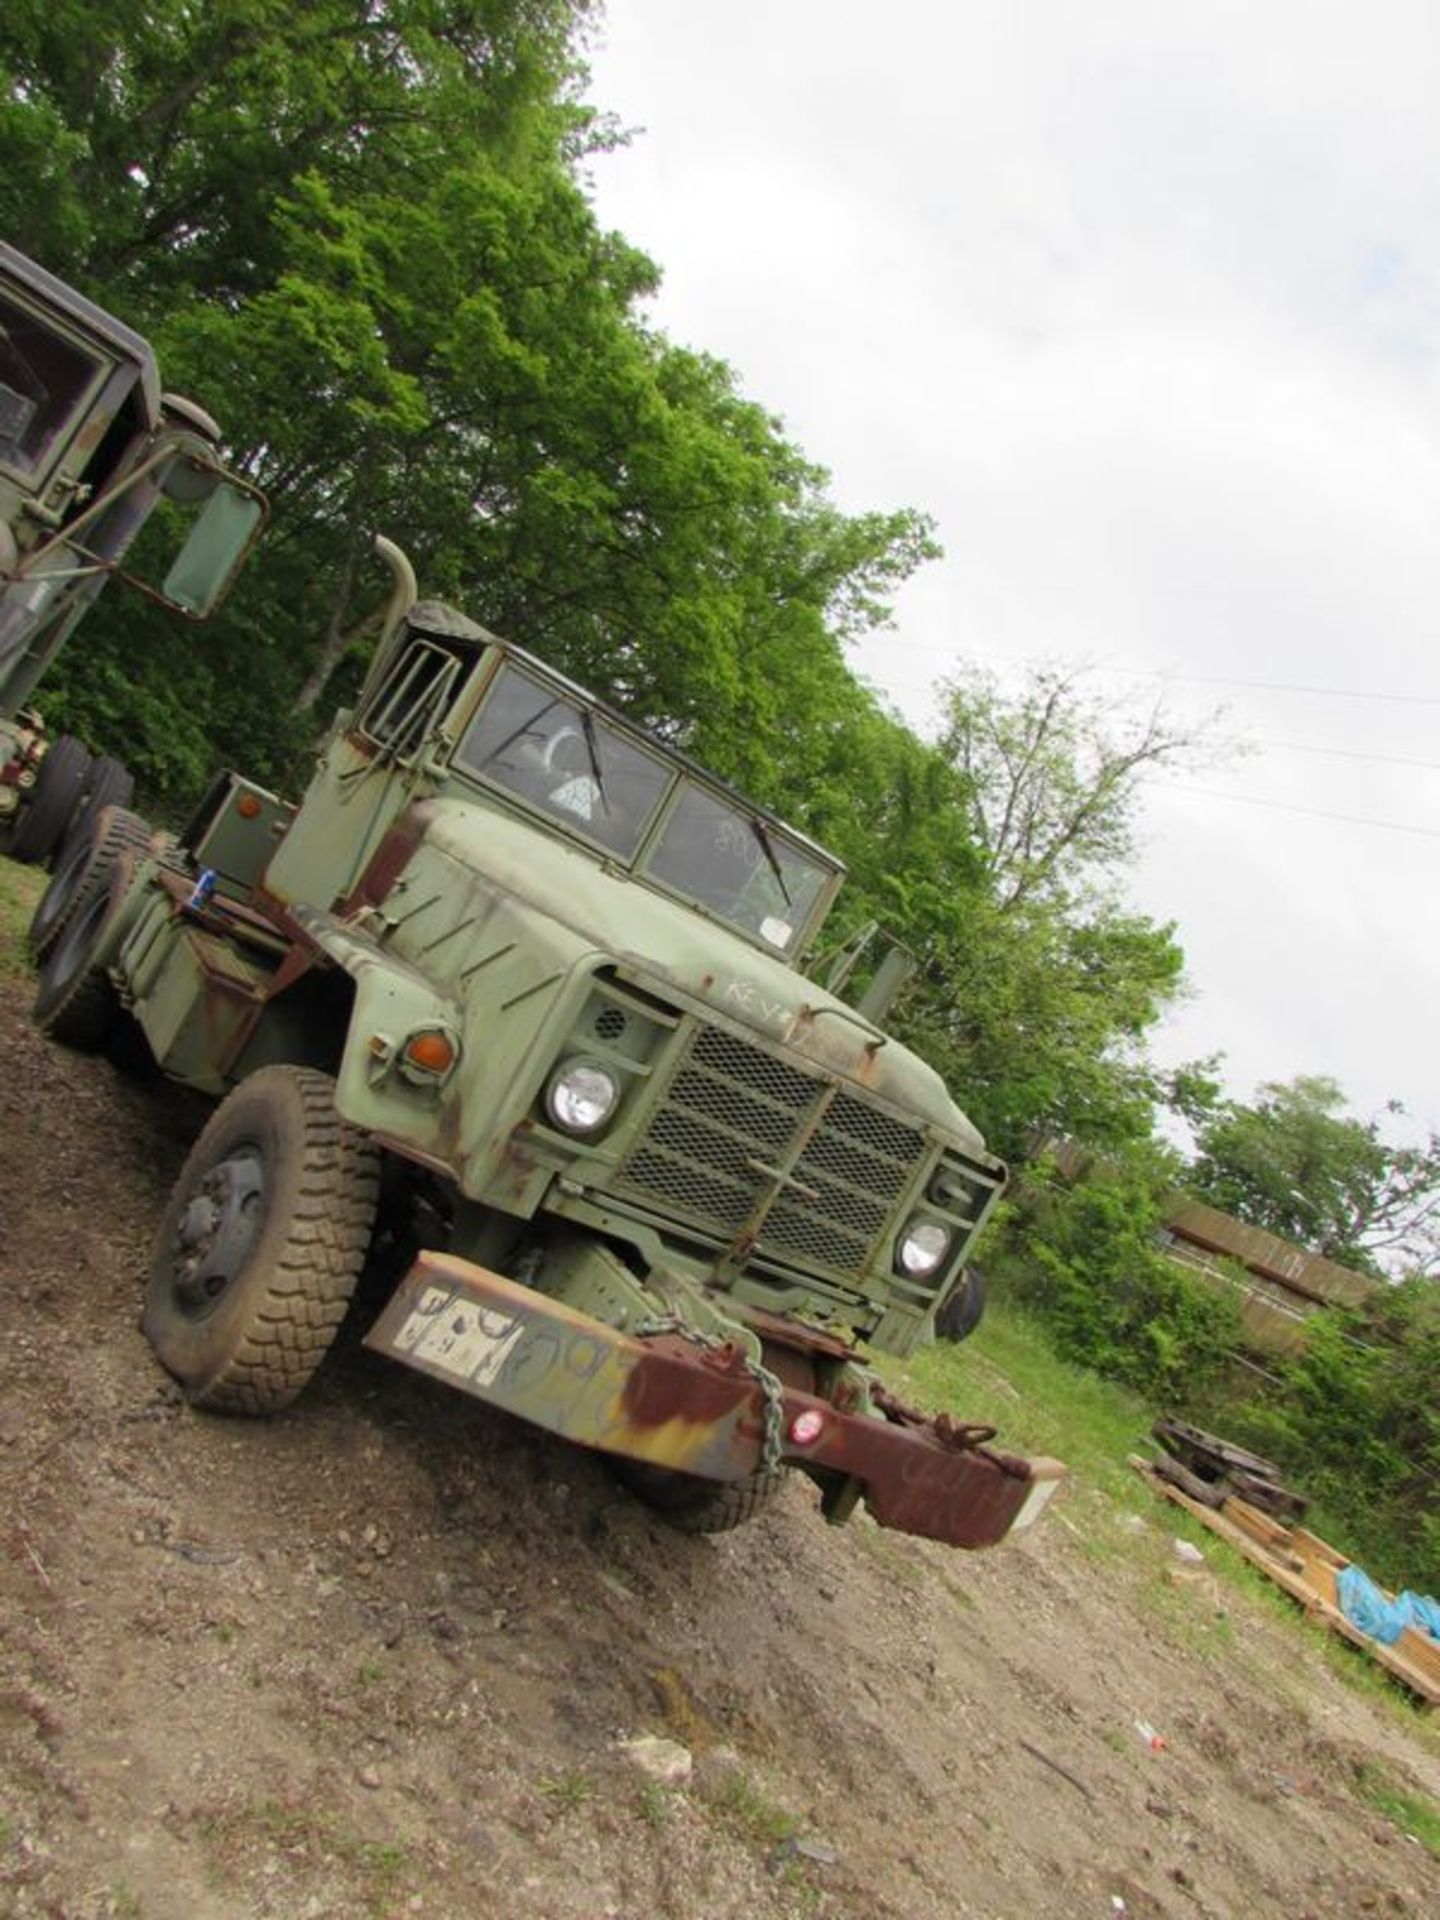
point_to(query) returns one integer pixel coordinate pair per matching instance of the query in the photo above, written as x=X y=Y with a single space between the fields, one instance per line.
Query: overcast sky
x=1142 y=303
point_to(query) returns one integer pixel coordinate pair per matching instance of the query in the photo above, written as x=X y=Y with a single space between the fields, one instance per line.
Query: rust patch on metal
x=389 y=860
x=673 y=1381
x=671 y=1403
x=795 y=1334
x=791 y=1366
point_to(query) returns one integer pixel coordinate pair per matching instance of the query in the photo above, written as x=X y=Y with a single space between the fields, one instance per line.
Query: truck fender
x=385 y=1082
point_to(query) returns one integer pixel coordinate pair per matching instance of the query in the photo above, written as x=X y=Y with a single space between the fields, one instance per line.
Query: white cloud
x=1144 y=305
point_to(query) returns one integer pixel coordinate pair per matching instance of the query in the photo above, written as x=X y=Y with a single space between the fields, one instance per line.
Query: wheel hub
x=217 y=1229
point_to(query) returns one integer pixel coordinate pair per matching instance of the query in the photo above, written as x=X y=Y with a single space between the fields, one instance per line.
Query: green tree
x=1051 y=773
x=1296 y=1163
x=1358 y=1424
x=359 y=234
x=1039 y=985
x=1086 y=1257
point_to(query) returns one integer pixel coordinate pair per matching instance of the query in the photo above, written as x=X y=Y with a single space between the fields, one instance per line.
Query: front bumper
x=671 y=1403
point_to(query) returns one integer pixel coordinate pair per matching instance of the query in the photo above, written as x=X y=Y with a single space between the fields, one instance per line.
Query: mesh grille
x=731 y=1103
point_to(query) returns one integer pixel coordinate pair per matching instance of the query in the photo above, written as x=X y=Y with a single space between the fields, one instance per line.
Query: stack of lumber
x=1305 y=1566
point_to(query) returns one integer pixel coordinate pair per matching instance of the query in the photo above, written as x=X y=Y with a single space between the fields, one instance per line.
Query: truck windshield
x=43 y=379
x=532 y=739
x=560 y=756
x=716 y=852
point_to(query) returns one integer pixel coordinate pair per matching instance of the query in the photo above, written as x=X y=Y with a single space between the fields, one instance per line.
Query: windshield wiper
x=527 y=725
x=757 y=827
x=587 y=727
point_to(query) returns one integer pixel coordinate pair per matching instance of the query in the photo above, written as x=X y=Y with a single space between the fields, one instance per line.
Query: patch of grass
x=1190 y=1619
x=124 y=1902
x=369 y=1673
x=652 y=1803
x=7 y=1832
x=747 y=1810
x=313 y=1836
x=20 y=891
x=1412 y=1813
x=1009 y=1375
x=570 y=1789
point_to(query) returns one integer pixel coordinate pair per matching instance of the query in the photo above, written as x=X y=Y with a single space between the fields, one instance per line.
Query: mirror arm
x=189 y=446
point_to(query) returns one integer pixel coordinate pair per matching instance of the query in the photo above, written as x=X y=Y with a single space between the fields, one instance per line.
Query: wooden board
x=1305 y=1567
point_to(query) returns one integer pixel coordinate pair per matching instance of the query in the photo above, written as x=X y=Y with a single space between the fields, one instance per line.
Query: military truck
x=90 y=449
x=537 y=978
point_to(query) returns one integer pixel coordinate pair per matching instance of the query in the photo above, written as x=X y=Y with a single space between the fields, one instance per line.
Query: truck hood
x=681 y=953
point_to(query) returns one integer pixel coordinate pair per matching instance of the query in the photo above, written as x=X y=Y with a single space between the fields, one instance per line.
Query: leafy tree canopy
x=1297 y=1163
x=358 y=233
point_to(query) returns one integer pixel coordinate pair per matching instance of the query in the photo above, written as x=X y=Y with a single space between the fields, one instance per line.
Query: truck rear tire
x=83 y=871
x=692 y=1505
x=262 y=1244
x=75 y=999
x=111 y=784
x=48 y=813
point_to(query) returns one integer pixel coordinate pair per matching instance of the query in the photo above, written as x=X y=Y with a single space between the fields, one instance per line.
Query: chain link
x=771 y=1390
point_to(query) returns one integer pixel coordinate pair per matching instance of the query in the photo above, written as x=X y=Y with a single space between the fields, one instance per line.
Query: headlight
x=921 y=1248
x=581 y=1096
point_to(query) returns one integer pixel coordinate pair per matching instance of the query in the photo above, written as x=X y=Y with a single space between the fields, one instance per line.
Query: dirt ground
x=376 y=1657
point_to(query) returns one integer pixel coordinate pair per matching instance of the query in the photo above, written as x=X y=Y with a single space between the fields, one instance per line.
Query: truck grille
x=729 y=1104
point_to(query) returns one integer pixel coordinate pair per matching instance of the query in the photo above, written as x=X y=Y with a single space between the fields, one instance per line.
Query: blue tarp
x=1372 y=1610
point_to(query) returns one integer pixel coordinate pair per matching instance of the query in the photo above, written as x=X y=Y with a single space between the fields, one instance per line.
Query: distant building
x=1280 y=1285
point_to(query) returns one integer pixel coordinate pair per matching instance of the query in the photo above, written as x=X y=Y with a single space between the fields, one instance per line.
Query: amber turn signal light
x=432 y=1052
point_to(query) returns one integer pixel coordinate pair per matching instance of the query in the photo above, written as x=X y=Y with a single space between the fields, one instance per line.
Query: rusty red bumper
x=668 y=1402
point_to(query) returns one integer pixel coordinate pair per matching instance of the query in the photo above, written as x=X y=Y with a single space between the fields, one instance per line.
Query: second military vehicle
x=90 y=450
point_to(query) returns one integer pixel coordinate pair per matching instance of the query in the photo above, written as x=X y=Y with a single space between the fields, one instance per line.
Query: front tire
x=692 y=1505
x=262 y=1244
x=962 y=1313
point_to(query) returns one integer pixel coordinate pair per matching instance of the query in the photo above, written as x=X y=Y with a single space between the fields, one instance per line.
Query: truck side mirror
x=218 y=543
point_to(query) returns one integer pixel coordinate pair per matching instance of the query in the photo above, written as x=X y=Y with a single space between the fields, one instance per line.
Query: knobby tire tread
x=123 y=832
x=295 y=1319
x=692 y=1505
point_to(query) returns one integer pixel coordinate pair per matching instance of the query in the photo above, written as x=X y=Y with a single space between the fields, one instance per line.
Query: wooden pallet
x=1305 y=1566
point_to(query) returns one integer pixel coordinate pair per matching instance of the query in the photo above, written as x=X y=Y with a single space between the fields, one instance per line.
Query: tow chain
x=770 y=1389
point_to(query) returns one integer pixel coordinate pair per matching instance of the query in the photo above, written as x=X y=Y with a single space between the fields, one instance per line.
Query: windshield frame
x=684 y=777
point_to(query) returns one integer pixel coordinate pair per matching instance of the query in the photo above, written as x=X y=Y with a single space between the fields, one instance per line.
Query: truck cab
x=90 y=450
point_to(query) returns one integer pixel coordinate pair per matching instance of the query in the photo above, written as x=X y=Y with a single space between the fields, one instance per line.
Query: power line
x=1289 y=806
x=1349 y=753
x=959 y=655
x=1277 y=686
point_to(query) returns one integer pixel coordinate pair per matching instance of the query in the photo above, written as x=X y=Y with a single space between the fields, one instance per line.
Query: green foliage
x=1039 y=986
x=1296 y=1163
x=1089 y=1265
x=1040 y=1015
x=1413 y=1813
x=1357 y=1424
x=1050 y=774
x=360 y=236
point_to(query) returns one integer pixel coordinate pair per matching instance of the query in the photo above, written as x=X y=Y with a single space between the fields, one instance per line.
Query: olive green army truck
x=90 y=450
x=538 y=978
